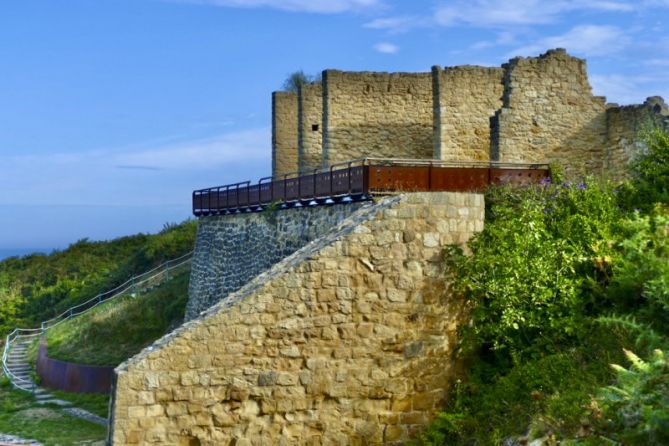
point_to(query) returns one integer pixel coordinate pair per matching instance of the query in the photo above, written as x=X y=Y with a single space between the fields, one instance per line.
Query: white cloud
x=248 y=145
x=503 y=38
x=658 y=62
x=586 y=40
x=316 y=6
x=153 y=173
x=630 y=89
x=492 y=13
x=386 y=48
x=616 y=88
x=398 y=24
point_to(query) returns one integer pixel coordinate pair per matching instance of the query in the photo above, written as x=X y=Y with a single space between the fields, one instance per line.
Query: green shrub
x=635 y=411
x=527 y=279
x=650 y=175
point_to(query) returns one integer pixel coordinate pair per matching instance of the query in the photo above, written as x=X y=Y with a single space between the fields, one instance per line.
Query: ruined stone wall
x=310 y=137
x=284 y=133
x=465 y=98
x=230 y=250
x=550 y=115
x=386 y=115
x=347 y=341
x=625 y=129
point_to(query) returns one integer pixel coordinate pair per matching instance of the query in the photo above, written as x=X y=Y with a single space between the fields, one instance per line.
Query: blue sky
x=112 y=111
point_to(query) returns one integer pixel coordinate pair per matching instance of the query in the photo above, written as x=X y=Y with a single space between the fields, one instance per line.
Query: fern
x=646 y=338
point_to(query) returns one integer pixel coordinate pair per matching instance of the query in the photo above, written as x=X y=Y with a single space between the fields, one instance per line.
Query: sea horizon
x=20 y=252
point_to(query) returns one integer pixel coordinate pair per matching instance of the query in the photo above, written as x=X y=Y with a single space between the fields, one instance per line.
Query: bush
x=527 y=279
x=635 y=411
x=649 y=175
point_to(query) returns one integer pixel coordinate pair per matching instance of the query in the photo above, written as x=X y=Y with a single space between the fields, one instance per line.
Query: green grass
x=21 y=415
x=95 y=403
x=119 y=329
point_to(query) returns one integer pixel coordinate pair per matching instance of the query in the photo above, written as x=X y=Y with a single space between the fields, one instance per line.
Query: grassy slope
x=20 y=415
x=117 y=330
x=38 y=287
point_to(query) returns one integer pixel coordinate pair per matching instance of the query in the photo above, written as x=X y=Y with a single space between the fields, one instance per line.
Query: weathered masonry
x=318 y=313
x=346 y=341
x=537 y=109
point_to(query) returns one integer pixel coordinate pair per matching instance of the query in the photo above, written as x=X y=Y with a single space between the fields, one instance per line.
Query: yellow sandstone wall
x=347 y=341
x=465 y=98
x=310 y=137
x=626 y=127
x=386 y=115
x=284 y=132
x=550 y=114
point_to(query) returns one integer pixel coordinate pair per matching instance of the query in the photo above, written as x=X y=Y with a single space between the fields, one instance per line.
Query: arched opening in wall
x=189 y=441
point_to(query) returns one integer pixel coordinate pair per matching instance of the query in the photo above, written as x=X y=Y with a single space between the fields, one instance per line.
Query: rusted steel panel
x=457 y=179
x=359 y=178
x=399 y=178
x=517 y=177
x=71 y=377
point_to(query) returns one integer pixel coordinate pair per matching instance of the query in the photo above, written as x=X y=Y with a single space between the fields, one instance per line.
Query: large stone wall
x=230 y=250
x=386 y=115
x=284 y=133
x=310 y=132
x=626 y=127
x=465 y=98
x=347 y=341
x=550 y=114
x=531 y=110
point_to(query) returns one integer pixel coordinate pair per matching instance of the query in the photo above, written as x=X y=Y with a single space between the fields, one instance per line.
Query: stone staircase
x=23 y=374
x=18 y=365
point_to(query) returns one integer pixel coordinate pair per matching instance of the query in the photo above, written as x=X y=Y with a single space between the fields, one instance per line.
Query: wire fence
x=133 y=287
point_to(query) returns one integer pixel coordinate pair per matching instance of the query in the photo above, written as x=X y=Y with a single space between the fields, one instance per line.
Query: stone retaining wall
x=347 y=341
x=230 y=250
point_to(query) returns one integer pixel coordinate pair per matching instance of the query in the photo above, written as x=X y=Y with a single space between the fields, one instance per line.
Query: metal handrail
x=128 y=285
x=344 y=170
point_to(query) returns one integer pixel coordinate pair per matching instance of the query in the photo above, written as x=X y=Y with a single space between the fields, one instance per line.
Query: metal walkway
x=361 y=179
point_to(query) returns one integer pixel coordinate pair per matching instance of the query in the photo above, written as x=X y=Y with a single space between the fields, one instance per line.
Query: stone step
x=11 y=362
x=55 y=401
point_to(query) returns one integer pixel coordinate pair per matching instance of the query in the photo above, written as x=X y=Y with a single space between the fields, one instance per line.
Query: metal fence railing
x=361 y=178
x=132 y=286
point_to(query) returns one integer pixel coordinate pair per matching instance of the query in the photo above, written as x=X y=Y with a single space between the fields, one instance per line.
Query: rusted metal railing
x=360 y=179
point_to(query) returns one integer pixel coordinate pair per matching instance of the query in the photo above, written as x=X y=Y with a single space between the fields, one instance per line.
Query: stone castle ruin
x=538 y=109
x=333 y=324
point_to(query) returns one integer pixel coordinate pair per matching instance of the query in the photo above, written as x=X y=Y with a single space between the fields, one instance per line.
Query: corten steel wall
x=625 y=128
x=386 y=115
x=284 y=132
x=232 y=249
x=550 y=114
x=310 y=135
x=348 y=341
x=465 y=98
x=71 y=377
